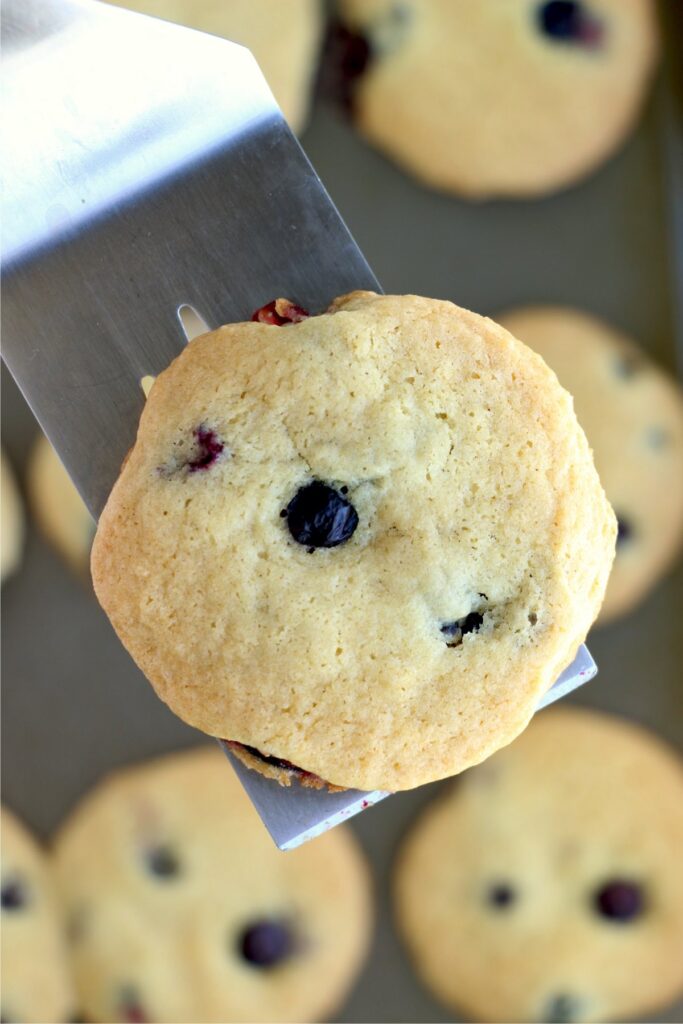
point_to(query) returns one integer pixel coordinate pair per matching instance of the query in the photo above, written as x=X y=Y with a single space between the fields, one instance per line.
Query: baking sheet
x=74 y=705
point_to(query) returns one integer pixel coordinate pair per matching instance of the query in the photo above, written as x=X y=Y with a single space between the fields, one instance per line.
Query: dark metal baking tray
x=74 y=705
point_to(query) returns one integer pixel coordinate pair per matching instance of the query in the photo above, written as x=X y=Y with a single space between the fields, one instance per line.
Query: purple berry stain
x=131 y=1008
x=209 y=449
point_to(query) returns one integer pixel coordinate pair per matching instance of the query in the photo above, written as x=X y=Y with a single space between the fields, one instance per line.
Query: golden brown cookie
x=284 y=37
x=182 y=909
x=632 y=413
x=365 y=543
x=514 y=97
x=36 y=985
x=546 y=885
x=58 y=507
x=11 y=521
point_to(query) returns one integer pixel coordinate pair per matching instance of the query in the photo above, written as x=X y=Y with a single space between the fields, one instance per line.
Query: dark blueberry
x=266 y=943
x=209 y=448
x=346 y=57
x=318 y=516
x=562 y=1009
x=280 y=312
x=13 y=895
x=162 y=862
x=501 y=895
x=619 y=900
x=560 y=18
x=456 y=630
x=569 y=21
x=624 y=530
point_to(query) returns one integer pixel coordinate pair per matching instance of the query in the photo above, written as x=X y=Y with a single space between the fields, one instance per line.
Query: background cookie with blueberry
x=182 y=909
x=513 y=98
x=36 y=983
x=11 y=520
x=364 y=543
x=284 y=37
x=632 y=412
x=58 y=507
x=545 y=885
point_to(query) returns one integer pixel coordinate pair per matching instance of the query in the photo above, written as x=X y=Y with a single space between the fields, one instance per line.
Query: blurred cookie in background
x=11 y=520
x=545 y=885
x=182 y=909
x=632 y=412
x=513 y=98
x=36 y=985
x=284 y=37
x=58 y=507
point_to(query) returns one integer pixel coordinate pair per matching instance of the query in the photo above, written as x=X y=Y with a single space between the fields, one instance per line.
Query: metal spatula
x=147 y=169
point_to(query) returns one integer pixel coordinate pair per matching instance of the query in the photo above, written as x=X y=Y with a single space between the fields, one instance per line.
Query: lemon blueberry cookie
x=182 y=909
x=11 y=520
x=516 y=97
x=546 y=885
x=632 y=413
x=58 y=507
x=36 y=984
x=284 y=37
x=365 y=543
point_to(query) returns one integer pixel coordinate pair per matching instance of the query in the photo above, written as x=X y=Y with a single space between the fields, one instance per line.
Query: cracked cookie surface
x=401 y=546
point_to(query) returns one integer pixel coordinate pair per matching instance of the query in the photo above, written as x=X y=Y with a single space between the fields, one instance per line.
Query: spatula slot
x=192 y=322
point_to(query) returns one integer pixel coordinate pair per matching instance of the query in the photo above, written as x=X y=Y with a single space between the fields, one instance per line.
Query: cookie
x=514 y=98
x=58 y=507
x=284 y=37
x=365 y=543
x=632 y=413
x=11 y=521
x=36 y=985
x=546 y=885
x=182 y=909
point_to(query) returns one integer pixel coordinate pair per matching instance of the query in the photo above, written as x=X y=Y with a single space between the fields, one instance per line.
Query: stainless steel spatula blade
x=147 y=167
